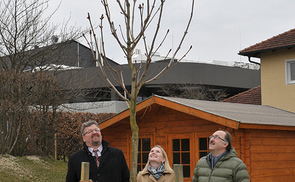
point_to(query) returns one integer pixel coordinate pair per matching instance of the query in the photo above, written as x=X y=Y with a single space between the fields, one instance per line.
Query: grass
x=32 y=168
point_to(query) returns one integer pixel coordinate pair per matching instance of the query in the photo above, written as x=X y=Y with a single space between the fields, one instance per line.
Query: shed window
x=144 y=147
x=290 y=72
x=203 y=147
x=181 y=154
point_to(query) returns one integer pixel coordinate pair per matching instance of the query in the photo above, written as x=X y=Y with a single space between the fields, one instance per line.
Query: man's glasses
x=91 y=131
x=216 y=137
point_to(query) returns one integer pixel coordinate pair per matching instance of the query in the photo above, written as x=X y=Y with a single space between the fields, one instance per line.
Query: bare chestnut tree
x=23 y=29
x=27 y=40
x=14 y=106
x=18 y=93
x=150 y=12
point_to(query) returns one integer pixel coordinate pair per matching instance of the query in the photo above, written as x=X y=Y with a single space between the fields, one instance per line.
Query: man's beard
x=98 y=143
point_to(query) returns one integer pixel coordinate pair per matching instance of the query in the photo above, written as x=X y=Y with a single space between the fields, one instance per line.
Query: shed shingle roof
x=242 y=113
x=233 y=115
x=284 y=40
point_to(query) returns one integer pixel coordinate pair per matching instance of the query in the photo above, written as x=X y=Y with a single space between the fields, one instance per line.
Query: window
x=203 y=147
x=181 y=154
x=290 y=72
x=145 y=143
x=144 y=147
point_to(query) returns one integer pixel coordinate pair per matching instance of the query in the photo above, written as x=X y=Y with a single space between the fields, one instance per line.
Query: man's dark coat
x=112 y=167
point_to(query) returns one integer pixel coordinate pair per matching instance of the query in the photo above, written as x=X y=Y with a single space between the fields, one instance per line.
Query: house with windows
x=277 y=58
x=263 y=136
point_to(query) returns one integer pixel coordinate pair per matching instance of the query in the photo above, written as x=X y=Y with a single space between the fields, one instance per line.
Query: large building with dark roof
x=232 y=80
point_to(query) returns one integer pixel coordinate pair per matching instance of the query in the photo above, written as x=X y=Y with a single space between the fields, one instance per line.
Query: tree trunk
x=134 y=126
x=134 y=140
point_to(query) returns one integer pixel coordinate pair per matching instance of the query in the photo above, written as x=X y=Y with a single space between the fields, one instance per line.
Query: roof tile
x=284 y=40
x=251 y=96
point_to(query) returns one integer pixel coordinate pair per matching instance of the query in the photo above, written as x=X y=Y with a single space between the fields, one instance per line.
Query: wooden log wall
x=272 y=156
x=268 y=154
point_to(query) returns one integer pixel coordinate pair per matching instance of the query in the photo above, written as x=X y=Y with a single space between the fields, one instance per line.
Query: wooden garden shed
x=263 y=136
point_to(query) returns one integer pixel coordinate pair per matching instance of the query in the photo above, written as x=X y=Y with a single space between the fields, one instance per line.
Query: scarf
x=157 y=173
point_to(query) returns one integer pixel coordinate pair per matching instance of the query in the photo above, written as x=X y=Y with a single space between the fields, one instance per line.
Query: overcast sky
x=219 y=30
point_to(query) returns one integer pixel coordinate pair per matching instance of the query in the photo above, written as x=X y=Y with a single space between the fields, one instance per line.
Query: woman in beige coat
x=157 y=168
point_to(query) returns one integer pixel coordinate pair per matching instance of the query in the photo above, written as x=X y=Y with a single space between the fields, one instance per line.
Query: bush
x=38 y=137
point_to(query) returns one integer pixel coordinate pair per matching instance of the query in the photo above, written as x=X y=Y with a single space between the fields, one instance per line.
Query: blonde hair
x=166 y=163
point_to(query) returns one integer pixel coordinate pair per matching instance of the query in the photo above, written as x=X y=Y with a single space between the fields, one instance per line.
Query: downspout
x=249 y=58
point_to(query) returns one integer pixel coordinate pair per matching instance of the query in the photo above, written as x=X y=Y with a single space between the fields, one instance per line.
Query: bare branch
x=146 y=22
x=132 y=20
x=125 y=41
x=164 y=73
x=149 y=59
x=178 y=48
x=158 y=27
x=111 y=23
x=100 y=58
x=154 y=71
x=121 y=7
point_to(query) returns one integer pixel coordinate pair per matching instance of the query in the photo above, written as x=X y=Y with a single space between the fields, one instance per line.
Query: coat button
x=98 y=174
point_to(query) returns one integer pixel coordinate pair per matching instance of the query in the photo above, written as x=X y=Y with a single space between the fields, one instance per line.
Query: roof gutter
x=249 y=58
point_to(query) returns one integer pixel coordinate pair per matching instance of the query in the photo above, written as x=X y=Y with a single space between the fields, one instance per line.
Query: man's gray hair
x=88 y=123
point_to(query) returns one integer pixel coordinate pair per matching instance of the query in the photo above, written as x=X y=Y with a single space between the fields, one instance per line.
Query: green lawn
x=32 y=168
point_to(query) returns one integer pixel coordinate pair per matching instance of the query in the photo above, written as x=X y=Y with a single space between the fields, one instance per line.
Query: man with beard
x=222 y=163
x=107 y=164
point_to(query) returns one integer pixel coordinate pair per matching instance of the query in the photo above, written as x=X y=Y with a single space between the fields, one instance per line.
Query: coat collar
x=165 y=172
x=105 y=146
